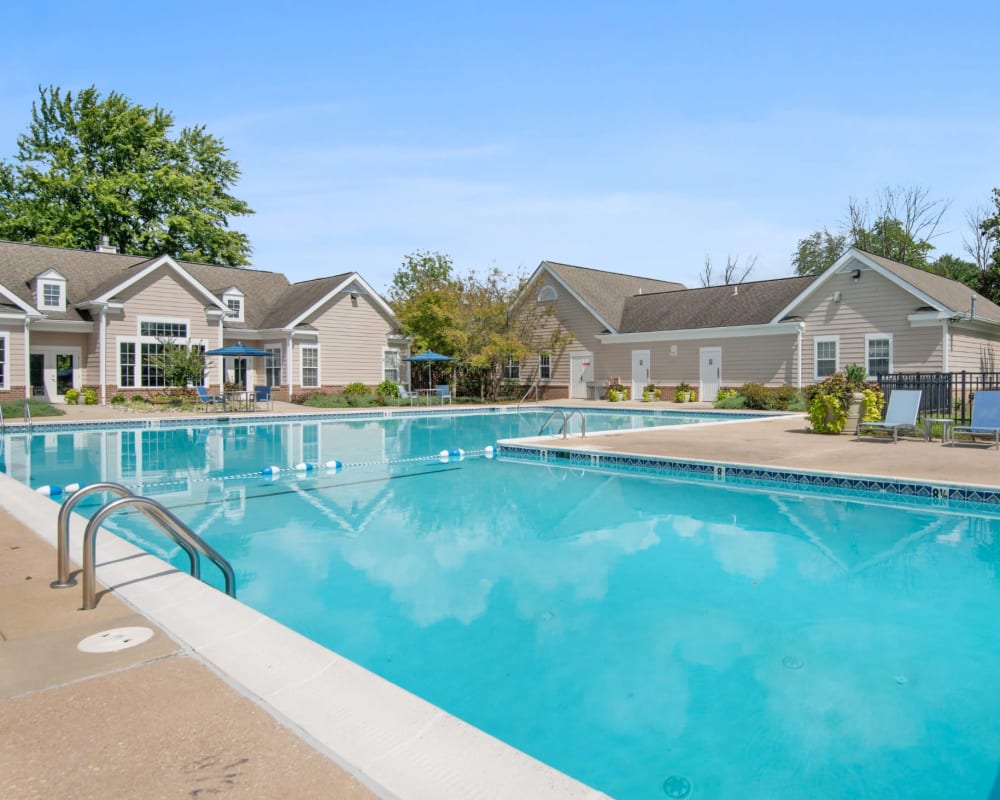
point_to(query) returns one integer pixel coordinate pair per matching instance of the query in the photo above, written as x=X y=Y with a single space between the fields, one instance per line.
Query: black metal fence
x=944 y=394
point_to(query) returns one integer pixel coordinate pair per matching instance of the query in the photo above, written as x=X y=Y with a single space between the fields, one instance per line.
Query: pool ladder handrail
x=27 y=415
x=532 y=388
x=3 y=426
x=566 y=418
x=190 y=542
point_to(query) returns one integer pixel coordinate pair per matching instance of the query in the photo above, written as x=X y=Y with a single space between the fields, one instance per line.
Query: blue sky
x=633 y=136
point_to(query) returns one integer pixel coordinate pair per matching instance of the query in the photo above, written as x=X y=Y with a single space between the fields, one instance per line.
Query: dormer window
x=50 y=291
x=233 y=299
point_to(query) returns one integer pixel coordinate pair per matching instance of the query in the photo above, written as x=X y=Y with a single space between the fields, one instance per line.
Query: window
x=826 y=356
x=310 y=365
x=160 y=329
x=512 y=369
x=235 y=306
x=390 y=365
x=878 y=353
x=51 y=295
x=149 y=372
x=3 y=361
x=272 y=365
x=126 y=363
x=546 y=294
x=544 y=367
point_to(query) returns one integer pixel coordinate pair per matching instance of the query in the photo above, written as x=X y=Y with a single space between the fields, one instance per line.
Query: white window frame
x=59 y=286
x=545 y=371
x=876 y=337
x=836 y=355
x=302 y=367
x=399 y=364
x=275 y=347
x=138 y=340
x=5 y=361
x=508 y=369
x=234 y=295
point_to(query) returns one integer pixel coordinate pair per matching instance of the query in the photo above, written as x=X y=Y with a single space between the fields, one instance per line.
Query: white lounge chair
x=900 y=415
x=404 y=394
x=985 y=420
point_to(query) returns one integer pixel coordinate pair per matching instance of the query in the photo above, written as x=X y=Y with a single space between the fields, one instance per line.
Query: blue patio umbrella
x=430 y=357
x=237 y=350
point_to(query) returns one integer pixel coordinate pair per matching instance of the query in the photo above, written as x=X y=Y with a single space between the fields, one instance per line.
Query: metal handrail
x=3 y=427
x=63 y=579
x=27 y=415
x=168 y=523
x=533 y=387
x=565 y=422
x=548 y=419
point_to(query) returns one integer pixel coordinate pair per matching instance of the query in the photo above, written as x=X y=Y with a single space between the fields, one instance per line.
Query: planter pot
x=853 y=414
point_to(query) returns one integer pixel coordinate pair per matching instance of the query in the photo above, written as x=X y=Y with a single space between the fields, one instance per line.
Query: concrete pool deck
x=174 y=716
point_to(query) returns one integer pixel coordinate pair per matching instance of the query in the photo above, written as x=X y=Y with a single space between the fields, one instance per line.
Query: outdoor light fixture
x=856 y=275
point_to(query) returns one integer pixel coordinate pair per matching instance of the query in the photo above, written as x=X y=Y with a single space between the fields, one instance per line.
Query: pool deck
x=163 y=719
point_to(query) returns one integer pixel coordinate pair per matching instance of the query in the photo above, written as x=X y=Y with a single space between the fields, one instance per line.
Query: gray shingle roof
x=270 y=300
x=754 y=303
x=952 y=295
x=606 y=292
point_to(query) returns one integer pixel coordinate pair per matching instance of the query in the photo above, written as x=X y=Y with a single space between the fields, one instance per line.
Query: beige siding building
x=72 y=319
x=865 y=310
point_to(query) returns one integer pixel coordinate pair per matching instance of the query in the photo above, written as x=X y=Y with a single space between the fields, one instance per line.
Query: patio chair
x=206 y=399
x=262 y=396
x=900 y=415
x=985 y=420
x=404 y=394
x=443 y=392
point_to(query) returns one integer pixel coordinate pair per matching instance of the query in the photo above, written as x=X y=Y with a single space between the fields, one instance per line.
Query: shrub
x=118 y=400
x=725 y=394
x=756 y=395
x=731 y=400
x=90 y=397
x=387 y=390
x=828 y=401
x=356 y=394
x=72 y=396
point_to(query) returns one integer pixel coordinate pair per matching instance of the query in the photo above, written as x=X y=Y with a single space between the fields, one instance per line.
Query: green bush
x=72 y=396
x=731 y=400
x=118 y=400
x=387 y=390
x=756 y=395
x=90 y=397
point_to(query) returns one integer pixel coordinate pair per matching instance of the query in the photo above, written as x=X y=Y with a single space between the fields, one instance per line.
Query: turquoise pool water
x=651 y=636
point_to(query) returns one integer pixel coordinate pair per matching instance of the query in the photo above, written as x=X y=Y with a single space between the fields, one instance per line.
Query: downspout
x=798 y=355
x=102 y=356
x=27 y=359
x=944 y=346
x=291 y=375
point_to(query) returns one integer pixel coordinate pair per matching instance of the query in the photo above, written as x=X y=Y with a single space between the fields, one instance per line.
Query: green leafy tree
x=426 y=299
x=985 y=248
x=90 y=166
x=817 y=252
x=957 y=269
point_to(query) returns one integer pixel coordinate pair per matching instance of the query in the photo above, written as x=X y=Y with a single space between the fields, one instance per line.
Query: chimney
x=105 y=246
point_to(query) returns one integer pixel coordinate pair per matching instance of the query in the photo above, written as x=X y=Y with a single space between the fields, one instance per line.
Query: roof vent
x=736 y=290
x=105 y=246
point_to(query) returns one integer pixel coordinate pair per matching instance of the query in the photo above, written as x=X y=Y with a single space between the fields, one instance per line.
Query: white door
x=53 y=370
x=581 y=375
x=710 y=373
x=640 y=372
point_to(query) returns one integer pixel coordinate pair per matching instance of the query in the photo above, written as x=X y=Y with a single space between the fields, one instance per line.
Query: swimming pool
x=649 y=635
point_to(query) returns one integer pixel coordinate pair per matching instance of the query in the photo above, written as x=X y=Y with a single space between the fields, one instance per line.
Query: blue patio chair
x=404 y=394
x=206 y=399
x=985 y=420
x=900 y=415
x=443 y=392
x=262 y=396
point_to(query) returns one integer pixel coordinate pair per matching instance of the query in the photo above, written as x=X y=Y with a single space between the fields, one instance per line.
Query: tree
x=817 y=252
x=91 y=166
x=732 y=273
x=180 y=364
x=957 y=269
x=426 y=299
x=986 y=247
x=900 y=228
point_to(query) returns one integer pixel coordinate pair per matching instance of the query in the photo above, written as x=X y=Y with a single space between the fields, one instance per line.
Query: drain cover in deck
x=115 y=639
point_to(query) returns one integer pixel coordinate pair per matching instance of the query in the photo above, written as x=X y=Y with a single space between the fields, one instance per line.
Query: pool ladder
x=185 y=538
x=565 y=422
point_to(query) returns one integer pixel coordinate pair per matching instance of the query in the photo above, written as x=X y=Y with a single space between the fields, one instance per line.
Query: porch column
x=102 y=343
x=27 y=360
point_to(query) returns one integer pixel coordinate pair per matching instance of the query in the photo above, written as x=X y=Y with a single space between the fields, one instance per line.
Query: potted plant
x=682 y=393
x=650 y=392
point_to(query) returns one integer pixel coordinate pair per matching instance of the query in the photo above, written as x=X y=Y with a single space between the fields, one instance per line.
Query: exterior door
x=710 y=372
x=640 y=372
x=53 y=370
x=581 y=375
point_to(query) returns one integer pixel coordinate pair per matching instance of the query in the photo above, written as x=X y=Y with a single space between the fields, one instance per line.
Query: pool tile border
x=723 y=471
